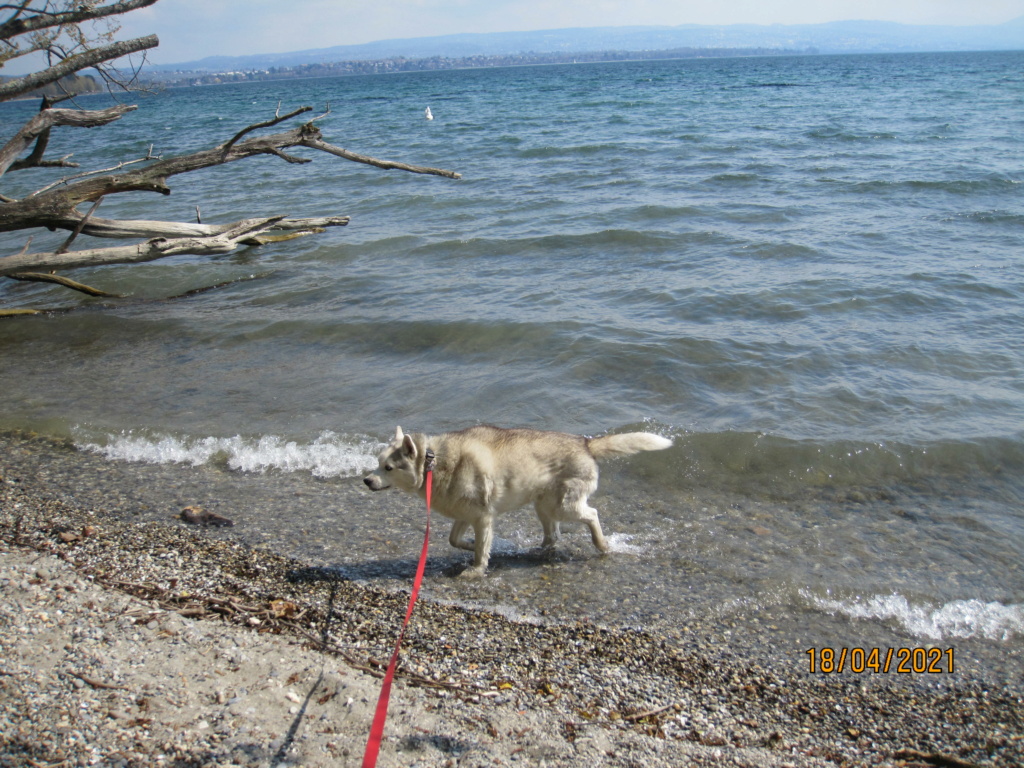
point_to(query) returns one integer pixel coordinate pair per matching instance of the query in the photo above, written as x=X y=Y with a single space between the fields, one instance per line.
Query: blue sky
x=193 y=29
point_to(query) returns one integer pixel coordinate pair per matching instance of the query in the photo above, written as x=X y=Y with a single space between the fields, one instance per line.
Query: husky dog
x=484 y=471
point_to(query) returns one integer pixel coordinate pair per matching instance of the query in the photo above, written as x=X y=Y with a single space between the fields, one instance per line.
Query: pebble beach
x=128 y=643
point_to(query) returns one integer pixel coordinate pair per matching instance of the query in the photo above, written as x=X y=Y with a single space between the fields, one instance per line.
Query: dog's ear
x=398 y=434
x=409 y=447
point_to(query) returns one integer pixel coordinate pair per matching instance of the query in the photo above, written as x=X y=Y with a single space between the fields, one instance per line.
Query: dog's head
x=397 y=465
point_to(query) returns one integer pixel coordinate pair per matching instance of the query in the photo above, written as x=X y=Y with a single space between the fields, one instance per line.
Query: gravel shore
x=141 y=644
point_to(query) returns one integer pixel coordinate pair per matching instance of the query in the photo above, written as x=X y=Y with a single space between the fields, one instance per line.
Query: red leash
x=377 y=729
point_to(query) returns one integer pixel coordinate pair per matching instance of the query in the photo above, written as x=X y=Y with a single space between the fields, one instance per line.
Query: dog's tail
x=624 y=445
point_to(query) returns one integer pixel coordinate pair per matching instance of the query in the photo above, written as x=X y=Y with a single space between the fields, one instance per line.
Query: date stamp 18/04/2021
x=881 y=660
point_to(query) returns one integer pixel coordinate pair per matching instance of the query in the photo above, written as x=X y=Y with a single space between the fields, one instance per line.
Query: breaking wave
x=955 y=619
x=329 y=455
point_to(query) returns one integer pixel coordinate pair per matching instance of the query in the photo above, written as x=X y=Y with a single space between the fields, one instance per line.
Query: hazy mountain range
x=834 y=37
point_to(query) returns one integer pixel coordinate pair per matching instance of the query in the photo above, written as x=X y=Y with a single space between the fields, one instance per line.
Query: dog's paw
x=473 y=572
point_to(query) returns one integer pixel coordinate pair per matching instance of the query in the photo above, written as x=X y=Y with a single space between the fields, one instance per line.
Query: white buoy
x=429 y=115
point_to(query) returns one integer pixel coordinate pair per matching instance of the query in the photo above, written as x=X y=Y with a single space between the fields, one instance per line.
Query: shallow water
x=803 y=270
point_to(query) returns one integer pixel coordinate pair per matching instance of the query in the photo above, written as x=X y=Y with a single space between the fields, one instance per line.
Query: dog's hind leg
x=575 y=507
x=455 y=538
x=594 y=523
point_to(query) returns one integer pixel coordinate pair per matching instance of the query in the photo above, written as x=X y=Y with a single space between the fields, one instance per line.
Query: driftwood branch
x=55 y=207
x=49 y=278
x=277 y=119
x=388 y=165
x=48 y=118
x=151 y=250
x=36 y=277
x=36 y=159
x=123 y=164
x=110 y=228
x=78 y=230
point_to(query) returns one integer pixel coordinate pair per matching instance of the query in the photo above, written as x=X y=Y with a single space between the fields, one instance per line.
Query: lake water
x=805 y=270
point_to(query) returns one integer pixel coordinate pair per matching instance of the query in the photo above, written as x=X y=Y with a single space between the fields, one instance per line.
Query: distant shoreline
x=399 y=64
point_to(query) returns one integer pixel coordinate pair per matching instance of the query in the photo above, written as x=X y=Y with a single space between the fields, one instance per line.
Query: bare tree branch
x=78 y=230
x=36 y=158
x=50 y=208
x=289 y=158
x=16 y=25
x=278 y=118
x=316 y=143
x=66 y=179
x=91 y=57
x=16 y=10
x=48 y=118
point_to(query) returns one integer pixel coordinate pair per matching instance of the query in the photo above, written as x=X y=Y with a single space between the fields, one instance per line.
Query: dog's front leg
x=547 y=510
x=455 y=538
x=483 y=527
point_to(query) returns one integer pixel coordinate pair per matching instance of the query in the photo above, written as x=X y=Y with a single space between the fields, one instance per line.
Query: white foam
x=622 y=542
x=329 y=455
x=957 y=618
